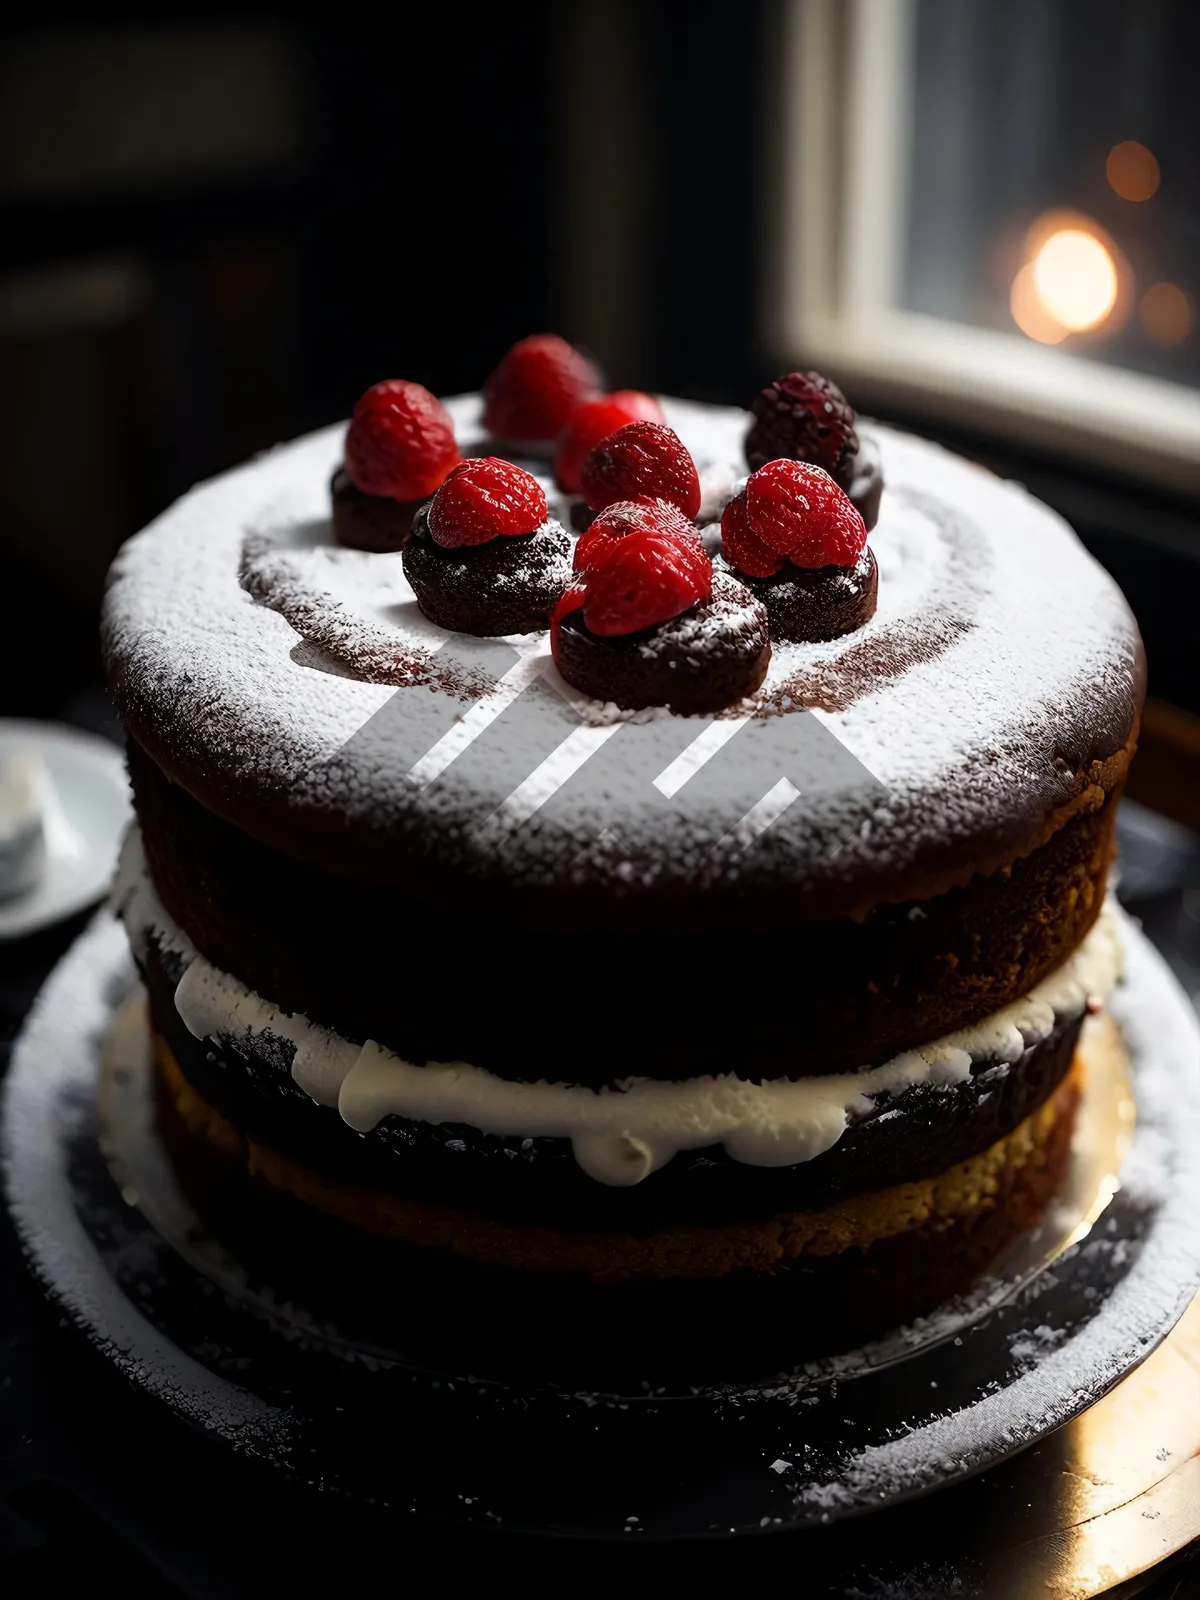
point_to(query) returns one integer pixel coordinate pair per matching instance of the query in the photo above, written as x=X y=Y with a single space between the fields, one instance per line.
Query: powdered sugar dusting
x=245 y=646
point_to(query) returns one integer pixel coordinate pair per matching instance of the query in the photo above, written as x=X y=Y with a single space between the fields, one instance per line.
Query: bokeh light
x=1028 y=312
x=1075 y=277
x=1166 y=313
x=1132 y=171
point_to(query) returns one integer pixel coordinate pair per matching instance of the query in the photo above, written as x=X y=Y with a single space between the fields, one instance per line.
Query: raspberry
x=800 y=512
x=400 y=441
x=571 y=601
x=803 y=416
x=484 y=498
x=642 y=458
x=623 y=518
x=594 y=421
x=648 y=578
x=745 y=550
x=537 y=386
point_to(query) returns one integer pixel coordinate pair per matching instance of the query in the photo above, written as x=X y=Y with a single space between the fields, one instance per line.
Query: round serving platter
x=1064 y=1320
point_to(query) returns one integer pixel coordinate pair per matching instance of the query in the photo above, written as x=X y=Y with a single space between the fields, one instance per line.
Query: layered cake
x=615 y=915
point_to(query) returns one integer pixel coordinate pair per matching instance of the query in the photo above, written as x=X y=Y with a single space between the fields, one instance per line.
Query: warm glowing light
x=1076 y=279
x=1166 y=313
x=1132 y=171
x=1028 y=312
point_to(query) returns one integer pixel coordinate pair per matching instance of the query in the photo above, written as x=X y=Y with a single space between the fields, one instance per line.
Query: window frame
x=845 y=133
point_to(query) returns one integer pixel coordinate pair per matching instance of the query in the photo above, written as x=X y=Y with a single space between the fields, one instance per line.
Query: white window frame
x=846 y=134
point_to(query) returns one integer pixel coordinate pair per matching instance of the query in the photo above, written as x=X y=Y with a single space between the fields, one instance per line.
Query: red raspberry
x=483 y=499
x=745 y=550
x=799 y=511
x=647 y=579
x=642 y=458
x=400 y=441
x=571 y=601
x=623 y=518
x=537 y=386
x=804 y=416
x=594 y=421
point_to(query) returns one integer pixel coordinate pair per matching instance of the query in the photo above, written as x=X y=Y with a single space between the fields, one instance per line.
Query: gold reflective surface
x=1117 y=1490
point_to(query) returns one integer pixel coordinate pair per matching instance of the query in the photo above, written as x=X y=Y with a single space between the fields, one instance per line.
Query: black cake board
x=280 y=1413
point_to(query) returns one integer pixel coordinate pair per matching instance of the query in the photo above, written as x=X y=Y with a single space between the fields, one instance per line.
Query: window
x=991 y=214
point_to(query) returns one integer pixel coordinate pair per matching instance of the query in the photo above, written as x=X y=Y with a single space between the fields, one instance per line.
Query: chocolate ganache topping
x=373 y=522
x=504 y=586
x=819 y=603
x=710 y=656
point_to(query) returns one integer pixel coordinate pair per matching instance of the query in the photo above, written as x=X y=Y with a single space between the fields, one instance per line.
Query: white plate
x=84 y=822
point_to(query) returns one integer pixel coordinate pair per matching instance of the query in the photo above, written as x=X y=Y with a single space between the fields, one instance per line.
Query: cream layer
x=621 y=1134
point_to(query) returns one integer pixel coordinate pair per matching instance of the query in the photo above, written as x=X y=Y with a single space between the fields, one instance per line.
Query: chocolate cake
x=553 y=1034
x=820 y=603
x=504 y=586
x=369 y=521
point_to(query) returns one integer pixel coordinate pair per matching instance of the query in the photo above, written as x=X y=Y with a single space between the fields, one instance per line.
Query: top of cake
x=293 y=686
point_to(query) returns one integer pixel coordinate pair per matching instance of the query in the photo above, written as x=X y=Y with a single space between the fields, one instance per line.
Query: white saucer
x=84 y=820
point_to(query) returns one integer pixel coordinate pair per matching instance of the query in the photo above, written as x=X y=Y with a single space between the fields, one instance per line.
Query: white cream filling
x=619 y=1135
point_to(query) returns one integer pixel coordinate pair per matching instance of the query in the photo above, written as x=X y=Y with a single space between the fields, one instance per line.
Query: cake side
x=440 y=983
x=595 y=1020
x=718 y=1142
x=685 y=1304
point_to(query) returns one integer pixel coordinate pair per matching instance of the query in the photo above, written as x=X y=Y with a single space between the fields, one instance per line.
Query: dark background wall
x=286 y=212
x=217 y=229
